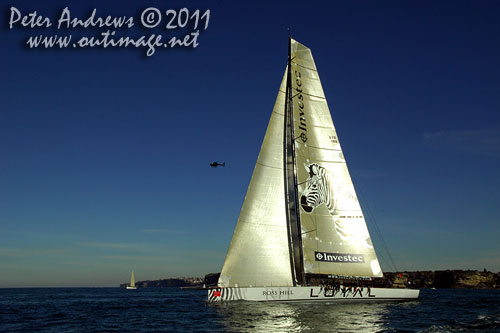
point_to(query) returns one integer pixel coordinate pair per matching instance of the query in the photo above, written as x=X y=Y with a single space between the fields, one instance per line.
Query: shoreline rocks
x=460 y=279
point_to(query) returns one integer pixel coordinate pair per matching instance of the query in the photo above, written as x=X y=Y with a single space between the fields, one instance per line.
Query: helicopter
x=217 y=163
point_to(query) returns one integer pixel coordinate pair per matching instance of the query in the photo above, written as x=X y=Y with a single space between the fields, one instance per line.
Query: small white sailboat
x=132 y=282
x=301 y=234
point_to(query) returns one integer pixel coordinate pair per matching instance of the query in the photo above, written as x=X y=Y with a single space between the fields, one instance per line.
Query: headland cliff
x=465 y=279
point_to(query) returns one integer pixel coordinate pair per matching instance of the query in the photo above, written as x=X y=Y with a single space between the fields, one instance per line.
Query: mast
x=290 y=180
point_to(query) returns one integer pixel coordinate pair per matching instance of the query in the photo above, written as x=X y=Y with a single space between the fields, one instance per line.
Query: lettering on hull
x=285 y=294
x=342 y=292
x=273 y=292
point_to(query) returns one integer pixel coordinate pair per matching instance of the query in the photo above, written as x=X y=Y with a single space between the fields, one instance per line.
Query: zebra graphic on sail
x=319 y=191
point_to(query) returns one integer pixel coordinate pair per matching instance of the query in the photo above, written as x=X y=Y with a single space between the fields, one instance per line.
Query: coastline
x=454 y=279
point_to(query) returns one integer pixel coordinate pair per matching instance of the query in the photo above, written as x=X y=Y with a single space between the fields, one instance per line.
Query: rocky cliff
x=444 y=279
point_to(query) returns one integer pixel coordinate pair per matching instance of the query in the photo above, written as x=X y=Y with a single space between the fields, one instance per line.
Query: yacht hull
x=311 y=293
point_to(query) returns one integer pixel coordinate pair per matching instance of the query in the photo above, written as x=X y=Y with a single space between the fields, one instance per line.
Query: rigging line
x=381 y=237
x=268 y=166
x=369 y=214
x=304 y=93
x=263 y=224
x=329 y=149
x=375 y=224
x=311 y=95
x=390 y=260
x=312 y=69
x=298 y=137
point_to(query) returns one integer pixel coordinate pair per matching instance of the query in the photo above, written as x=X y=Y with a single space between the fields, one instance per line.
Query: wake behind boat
x=301 y=234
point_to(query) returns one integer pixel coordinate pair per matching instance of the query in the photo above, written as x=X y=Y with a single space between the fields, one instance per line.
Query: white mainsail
x=332 y=238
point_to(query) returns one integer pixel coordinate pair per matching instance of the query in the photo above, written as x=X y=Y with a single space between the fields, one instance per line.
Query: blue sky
x=104 y=153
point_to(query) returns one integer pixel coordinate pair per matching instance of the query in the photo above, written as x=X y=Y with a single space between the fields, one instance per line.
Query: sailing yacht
x=132 y=282
x=301 y=234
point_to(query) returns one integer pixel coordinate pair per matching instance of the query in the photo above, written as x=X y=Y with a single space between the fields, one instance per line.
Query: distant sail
x=335 y=239
x=259 y=253
x=132 y=280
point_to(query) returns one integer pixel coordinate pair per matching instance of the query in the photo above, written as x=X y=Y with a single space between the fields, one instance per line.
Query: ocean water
x=175 y=310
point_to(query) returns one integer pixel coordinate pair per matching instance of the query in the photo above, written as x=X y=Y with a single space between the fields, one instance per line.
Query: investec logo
x=300 y=103
x=339 y=257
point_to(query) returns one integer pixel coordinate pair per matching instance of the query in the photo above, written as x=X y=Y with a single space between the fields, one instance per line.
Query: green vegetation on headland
x=418 y=279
